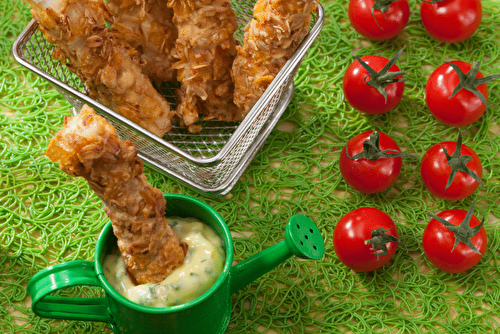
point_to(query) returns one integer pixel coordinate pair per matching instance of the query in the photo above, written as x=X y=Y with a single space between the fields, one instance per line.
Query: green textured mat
x=47 y=218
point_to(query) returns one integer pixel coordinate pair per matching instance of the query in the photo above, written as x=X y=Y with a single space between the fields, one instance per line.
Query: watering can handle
x=302 y=239
x=65 y=275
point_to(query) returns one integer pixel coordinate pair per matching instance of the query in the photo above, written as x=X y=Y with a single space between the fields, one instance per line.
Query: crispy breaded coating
x=109 y=67
x=206 y=49
x=88 y=146
x=270 y=39
x=147 y=26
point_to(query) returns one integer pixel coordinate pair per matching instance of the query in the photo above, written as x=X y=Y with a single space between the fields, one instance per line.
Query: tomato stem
x=470 y=82
x=457 y=162
x=379 y=80
x=383 y=6
x=372 y=151
x=380 y=239
x=463 y=232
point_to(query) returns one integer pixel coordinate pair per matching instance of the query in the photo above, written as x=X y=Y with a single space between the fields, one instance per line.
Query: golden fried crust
x=88 y=146
x=108 y=66
x=147 y=26
x=206 y=49
x=270 y=39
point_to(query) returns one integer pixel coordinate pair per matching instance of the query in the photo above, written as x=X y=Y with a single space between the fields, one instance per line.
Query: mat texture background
x=48 y=218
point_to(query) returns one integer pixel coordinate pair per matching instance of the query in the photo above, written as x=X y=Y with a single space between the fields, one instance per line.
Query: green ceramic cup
x=209 y=313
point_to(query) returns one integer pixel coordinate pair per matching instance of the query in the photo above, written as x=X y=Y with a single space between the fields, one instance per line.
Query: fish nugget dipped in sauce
x=148 y=27
x=109 y=67
x=270 y=39
x=206 y=49
x=88 y=146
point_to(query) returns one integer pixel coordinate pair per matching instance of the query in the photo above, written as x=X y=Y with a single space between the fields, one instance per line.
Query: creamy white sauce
x=202 y=266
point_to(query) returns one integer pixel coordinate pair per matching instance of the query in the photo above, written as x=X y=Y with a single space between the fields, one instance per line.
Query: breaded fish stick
x=270 y=39
x=88 y=146
x=147 y=26
x=206 y=49
x=108 y=66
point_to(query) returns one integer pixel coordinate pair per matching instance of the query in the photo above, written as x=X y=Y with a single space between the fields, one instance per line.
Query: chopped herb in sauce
x=185 y=283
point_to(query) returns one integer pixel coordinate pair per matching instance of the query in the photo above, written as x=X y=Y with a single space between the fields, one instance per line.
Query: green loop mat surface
x=48 y=218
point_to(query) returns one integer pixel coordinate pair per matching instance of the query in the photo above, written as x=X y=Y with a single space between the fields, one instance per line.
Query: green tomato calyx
x=470 y=82
x=463 y=232
x=380 y=239
x=379 y=80
x=458 y=162
x=383 y=6
x=372 y=151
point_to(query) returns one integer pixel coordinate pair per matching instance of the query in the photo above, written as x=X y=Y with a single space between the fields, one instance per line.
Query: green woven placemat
x=48 y=218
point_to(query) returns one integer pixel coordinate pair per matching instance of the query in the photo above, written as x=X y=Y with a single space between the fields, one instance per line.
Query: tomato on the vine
x=374 y=84
x=456 y=93
x=370 y=162
x=365 y=239
x=451 y=21
x=455 y=240
x=378 y=19
x=451 y=170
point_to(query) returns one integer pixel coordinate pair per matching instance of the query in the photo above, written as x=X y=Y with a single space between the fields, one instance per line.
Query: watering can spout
x=302 y=239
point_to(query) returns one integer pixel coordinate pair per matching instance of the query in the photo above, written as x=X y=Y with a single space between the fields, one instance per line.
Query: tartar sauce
x=202 y=266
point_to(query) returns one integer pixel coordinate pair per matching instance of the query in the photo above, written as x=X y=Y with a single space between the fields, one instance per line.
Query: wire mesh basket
x=210 y=161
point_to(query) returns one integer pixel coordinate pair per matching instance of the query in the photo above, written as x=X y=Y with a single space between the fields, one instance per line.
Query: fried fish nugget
x=148 y=27
x=270 y=39
x=109 y=67
x=206 y=49
x=88 y=146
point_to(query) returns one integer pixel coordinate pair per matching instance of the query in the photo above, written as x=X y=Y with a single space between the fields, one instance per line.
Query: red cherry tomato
x=435 y=172
x=352 y=232
x=379 y=25
x=365 y=98
x=462 y=109
x=438 y=243
x=451 y=21
x=367 y=175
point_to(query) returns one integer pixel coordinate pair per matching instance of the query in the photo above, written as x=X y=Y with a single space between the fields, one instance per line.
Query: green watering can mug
x=209 y=313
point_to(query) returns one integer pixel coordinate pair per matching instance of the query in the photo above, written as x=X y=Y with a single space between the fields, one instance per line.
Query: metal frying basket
x=210 y=161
